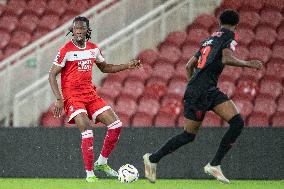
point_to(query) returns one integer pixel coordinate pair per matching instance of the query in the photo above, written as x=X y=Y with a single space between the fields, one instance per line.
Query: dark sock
x=171 y=145
x=235 y=129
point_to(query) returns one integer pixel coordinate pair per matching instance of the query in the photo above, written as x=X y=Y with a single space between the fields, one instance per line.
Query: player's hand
x=255 y=64
x=134 y=64
x=58 y=108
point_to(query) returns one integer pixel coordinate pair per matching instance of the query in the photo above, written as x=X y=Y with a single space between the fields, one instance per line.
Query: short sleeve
x=60 y=58
x=100 y=57
x=197 y=54
x=231 y=43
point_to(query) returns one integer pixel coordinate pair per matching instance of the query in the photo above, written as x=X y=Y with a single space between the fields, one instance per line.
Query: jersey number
x=204 y=54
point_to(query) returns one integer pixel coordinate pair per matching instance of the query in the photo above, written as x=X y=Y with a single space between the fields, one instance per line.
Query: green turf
x=12 y=183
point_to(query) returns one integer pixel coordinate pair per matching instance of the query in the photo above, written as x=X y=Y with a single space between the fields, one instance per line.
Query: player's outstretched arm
x=113 y=68
x=190 y=66
x=53 y=72
x=230 y=59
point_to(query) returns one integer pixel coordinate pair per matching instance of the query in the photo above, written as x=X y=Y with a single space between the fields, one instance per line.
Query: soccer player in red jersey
x=80 y=101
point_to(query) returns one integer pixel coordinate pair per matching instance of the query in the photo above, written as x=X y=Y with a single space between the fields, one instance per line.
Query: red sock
x=111 y=138
x=87 y=149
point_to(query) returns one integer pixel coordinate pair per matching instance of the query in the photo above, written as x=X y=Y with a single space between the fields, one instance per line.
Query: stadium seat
x=265 y=35
x=181 y=121
x=20 y=38
x=141 y=119
x=9 y=50
x=142 y=74
x=280 y=36
x=94 y=2
x=108 y=92
x=176 y=39
x=155 y=90
x=2 y=9
x=180 y=72
x=244 y=106
x=36 y=7
x=112 y=84
x=242 y=52
x=246 y=35
x=246 y=88
x=164 y=119
x=231 y=4
x=148 y=105
x=277 y=120
x=126 y=105
x=5 y=38
x=124 y=118
x=117 y=77
x=15 y=8
x=77 y=6
x=204 y=21
x=260 y=53
x=188 y=51
x=274 y=4
x=39 y=33
x=163 y=71
x=271 y=85
x=67 y=16
x=8 y=23
x=232 y=72
x=148 y=56
x=56 y=7
x=132 y=88
x=265 y=103
x=195 y=36
x=258 y=119
x=277 y=52
x=169 y=54
x=256 y=75
x=252 y=5
x=177 y=87
x=48 y=120
x=270 y=17
x=226 y=85
x=280 y=107
x=28 y=23
x=211 y=120
x=49 y=22
x=276 y=69
x=248 y=19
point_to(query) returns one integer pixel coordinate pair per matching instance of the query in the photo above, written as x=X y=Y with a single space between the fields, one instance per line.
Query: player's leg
x=188 y=135
x=228 y=112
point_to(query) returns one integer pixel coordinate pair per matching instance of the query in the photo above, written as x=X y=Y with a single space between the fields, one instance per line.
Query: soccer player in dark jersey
x=202 y=95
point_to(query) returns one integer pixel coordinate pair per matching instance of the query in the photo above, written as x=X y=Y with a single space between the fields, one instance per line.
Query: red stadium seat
x=141 y=119
x=171 y=104
x=246 y=35
x=36 y=7
x=94 y=2
x=188 y=51
x=277 y=120
x=20 y=38
x=260 y=53
x=271 y=18
x=265 y=35
x=231 y=4
x=124 y=118
x=252 y=5
x=117 y=77
x=148 y=56
x=246 y=88
x=77 y=6
x=211 y=120
x=275 y=69
x=132 y=88
x=67 y=16
x=277 y=52
x=252 y=73
x=8 y=23
x=242 y=52
x=204 y=21
x=56 y=7
x=126 y=106
x=258 y=120
x=28 y=23
x=280 y=36
x=265 y=104
x=271 y=85
x=177 y=87
x=274 y=4
x=49 y=22
x=142 y=74
x=148 y=105
x=109 y=92
x=5 y=38
x=164 y=119
x=169 y=54
x=39 y=33
x=244 y=106
x=195 y=36
x=226 y=85
x=180 y=71
x=48 y=120
x=9 y=50
x=280 y=107
x=15 y=9
x=163 y=71
x=175 y=39
x=155 y=91
x=2 y=9
x=232 y=72
x=249 y=19
x=181 y=121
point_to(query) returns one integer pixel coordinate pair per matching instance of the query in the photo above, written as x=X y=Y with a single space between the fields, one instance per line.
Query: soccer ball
x=127 y=174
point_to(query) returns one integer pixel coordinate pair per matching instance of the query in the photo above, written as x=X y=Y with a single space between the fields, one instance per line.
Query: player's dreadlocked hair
x=229 y=17
x=86 y=20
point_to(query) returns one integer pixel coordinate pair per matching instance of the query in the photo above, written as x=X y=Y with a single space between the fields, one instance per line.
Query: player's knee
x=237 y=123
x=187 y=137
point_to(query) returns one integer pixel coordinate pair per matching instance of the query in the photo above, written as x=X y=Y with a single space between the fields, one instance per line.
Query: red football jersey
x=77 y=63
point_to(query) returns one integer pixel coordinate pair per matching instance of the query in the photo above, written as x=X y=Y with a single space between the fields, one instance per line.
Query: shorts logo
x=71 y=109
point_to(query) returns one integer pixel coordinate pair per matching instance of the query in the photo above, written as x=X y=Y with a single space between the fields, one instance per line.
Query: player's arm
x=229 y=59
x=113 y=68
x=53 y=72
x=191 y=64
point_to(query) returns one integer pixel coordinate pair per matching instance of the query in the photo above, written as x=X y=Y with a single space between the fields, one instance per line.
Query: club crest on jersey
x=93 y=54
x=84 y=65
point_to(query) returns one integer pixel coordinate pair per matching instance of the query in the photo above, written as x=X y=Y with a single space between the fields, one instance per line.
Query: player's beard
x=80 y=40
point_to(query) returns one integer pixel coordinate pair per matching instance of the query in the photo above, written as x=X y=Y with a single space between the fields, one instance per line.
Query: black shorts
x=197 y=102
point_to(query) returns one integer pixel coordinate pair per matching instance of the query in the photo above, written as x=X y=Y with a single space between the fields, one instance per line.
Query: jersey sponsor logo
x=84 y=65
x=206 y=43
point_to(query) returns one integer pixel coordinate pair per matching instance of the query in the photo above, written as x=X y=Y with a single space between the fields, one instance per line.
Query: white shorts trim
x=115 y=125
x=76 y=113
x=98 y=112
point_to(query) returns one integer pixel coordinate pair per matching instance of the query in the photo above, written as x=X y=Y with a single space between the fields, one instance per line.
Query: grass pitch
x=17 y=183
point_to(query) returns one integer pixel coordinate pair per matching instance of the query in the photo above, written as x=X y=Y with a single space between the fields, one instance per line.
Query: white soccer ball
x=127 y=174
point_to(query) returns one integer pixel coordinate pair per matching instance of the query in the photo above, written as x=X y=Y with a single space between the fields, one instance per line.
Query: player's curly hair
x=84 y=19
x=229 y=17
